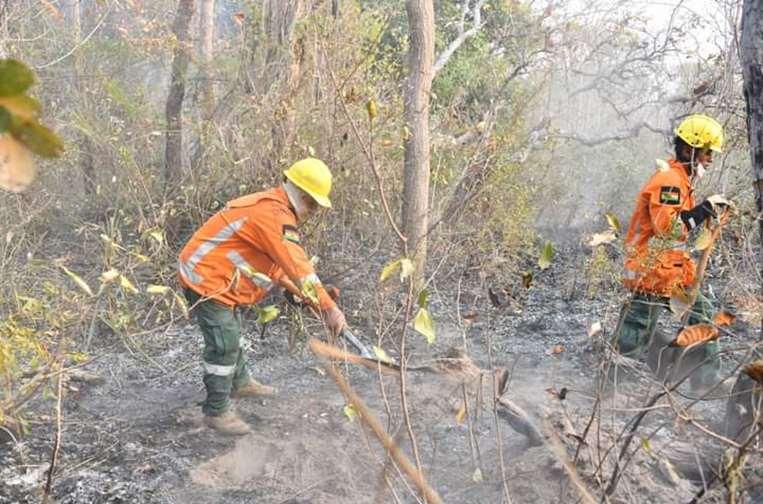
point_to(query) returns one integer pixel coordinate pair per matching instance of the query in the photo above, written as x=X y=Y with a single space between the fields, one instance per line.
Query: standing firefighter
x=234 y=259
x=658 y=263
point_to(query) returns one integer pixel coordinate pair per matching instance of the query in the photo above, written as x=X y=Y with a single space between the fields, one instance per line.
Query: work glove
x=719 y=202
x=697 y=215
x=334 y=319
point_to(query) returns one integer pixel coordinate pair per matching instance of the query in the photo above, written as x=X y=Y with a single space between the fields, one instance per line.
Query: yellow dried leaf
x=381 y=354
x=371 y=109
x=157 y=235
x=125 y=283
x=350 y=412
x=461 y=415
x=704 y=239
x=79 y=281
x=389 y=270
x=406 y=268
x=157 y=289
x=267 y=314
x=424 y=324
x=477 y=475
x=182 y=303
x=613 y=221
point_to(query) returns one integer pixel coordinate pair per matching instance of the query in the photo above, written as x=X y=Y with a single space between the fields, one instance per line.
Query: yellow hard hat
x=312 y=176
x=701 y=132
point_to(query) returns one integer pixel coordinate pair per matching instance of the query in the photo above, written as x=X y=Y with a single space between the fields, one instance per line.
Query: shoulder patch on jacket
x=670 y=195
x=290 y=233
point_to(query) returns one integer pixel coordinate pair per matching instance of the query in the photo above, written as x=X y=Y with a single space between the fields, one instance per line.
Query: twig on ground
x=57 y=442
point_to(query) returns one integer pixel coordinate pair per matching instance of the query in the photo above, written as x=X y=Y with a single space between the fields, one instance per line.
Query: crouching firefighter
x=657 y=262
x=234 y=259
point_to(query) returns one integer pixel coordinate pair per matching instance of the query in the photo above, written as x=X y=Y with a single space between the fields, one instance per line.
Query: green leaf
x=424 y=324
x=389 y=270
x=24 y=107
x=15 y=77
x=382 y=355
x=423 y=298
x=266 y=314
x=546 y=256
x=613 y=221
x=37 y=138
x=5 y=119
x=78 y=280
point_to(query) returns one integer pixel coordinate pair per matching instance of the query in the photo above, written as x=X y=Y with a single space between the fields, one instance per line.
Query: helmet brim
x=321 y=200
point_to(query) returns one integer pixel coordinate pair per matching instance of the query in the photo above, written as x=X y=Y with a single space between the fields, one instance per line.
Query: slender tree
x=73 y=13
x=417 y=89
x=207 y=93
x=173 y=154
x=283 y=66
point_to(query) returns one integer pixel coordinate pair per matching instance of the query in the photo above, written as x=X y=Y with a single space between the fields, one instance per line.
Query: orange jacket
x=655 y=264
x=240 y=251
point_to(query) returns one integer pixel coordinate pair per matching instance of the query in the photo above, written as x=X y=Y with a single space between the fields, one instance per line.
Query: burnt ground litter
x=136 y=434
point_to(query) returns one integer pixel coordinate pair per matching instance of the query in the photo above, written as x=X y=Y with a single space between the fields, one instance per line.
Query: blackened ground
x=138 y=437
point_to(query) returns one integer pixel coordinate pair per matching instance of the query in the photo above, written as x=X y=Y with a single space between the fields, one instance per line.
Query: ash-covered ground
x=135 y=433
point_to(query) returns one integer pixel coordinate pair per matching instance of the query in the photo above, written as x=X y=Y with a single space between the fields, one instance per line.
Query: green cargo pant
x=636 y=331
x=225 y=366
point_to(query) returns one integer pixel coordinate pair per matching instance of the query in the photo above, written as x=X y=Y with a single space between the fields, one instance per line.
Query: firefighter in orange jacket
x=657 y=261
x=234 y=259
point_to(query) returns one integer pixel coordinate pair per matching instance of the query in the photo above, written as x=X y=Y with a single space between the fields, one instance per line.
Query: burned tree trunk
x=416 y=172
x=173 y=154
x=743 y=406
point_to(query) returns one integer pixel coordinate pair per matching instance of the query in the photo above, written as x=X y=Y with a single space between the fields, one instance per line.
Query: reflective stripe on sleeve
x=218 y=370
x=261 y=280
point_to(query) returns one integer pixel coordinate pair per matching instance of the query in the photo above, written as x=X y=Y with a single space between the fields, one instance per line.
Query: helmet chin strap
x=296 y=200
x=697 y=169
